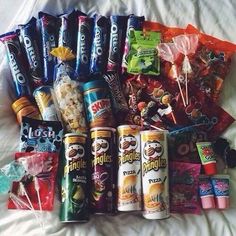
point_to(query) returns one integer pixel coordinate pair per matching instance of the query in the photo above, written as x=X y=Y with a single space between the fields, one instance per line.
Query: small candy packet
x=40 y=136
x=182 y=144
x=184 y=179
x=42 y=166
x=143 y=56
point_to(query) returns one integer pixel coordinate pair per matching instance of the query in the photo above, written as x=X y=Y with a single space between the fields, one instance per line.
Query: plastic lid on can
x=75 y=134
x=20 y=103
x=94 y=84
x=103 y=128
x=153 y=131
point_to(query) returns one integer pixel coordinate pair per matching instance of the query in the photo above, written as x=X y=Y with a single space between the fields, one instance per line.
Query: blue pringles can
x=30 y=41
x=98 y=104
x=16 y=63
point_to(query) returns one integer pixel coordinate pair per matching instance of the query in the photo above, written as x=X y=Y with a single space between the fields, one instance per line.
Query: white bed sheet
x=217 y=18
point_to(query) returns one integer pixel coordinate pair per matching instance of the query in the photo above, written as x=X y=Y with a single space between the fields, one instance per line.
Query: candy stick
x=172 y=113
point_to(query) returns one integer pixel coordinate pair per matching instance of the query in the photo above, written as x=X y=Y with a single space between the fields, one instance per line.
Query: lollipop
x=168 y=52
x=186 y=44
x=34 y=165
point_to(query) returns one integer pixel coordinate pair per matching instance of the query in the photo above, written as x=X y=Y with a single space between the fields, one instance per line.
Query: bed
x=216 y=18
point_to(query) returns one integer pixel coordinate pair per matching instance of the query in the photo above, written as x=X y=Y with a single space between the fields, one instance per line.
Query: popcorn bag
x=67 y=93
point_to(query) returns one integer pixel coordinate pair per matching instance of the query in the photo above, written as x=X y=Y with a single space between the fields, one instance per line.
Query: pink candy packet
x=184 y=178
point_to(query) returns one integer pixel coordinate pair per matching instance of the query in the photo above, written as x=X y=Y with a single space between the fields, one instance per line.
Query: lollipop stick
x=36 y=185
x=20 y=202
x=172 y=114
x=181 y=92
x=186 y=87
x=30 y=203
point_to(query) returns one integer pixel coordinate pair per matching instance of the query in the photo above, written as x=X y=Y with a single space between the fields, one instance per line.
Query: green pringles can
x=74 y=179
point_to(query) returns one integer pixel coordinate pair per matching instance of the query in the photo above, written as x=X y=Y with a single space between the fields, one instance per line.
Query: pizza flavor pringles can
x=155 y=174
x=129 y=167
x=74 y=179
x=103 y=174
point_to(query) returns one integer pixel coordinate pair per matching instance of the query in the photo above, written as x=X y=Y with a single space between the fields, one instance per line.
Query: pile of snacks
x=117 y=102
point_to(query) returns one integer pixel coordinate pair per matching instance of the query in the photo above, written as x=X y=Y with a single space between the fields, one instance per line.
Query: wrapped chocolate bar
x=16 y=63
x=99 y=45
x=28 y=34
x=67 y=92
x=48 y=34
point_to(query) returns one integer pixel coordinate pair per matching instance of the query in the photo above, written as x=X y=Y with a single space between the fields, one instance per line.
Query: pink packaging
x=184 y=179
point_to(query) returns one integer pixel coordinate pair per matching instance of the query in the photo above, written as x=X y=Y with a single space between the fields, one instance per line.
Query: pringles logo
x=152 y=152
x=99 y=149
x=74 y=165
x=127 y=148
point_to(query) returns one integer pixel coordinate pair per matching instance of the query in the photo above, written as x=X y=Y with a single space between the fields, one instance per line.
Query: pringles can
x=103 y=189
x=155 y=184
x=45 y=100
x=129 y=167
x=74 y=182
x=98 y=104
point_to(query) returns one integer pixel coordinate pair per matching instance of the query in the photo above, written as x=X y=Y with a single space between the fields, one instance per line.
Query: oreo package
x=133 y=23
x=17 y=64
x=29 y=37
x=117 y=40
x=40 y=136
x=49 y=35
x=84 y=41
x=100 y=45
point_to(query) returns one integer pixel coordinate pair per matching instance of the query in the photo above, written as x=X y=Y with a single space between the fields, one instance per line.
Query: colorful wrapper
x=134 y=23
x=99 y=45
x=221 y=189
x=84 y=40
x=40 y=136
x=49 y=32
x=16 y=63
x=117 y=38
x=29 y=37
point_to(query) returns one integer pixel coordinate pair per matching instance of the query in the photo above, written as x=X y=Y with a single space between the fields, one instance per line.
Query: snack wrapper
x=68 y=95
x=40 y=136
x=184 y=179
x=46 y=182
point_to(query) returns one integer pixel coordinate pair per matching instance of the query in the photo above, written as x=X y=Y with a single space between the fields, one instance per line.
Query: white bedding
x=217 y=18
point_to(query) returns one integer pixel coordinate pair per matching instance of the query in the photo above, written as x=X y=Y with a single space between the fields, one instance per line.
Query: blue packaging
x=49 y=35
x=99 y=52
x=117 y=40
x=40 y=136
x=29 y=37
x=84 y=41
x=17 y=64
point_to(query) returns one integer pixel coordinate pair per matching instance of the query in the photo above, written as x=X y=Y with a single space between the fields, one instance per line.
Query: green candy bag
x=143 y=57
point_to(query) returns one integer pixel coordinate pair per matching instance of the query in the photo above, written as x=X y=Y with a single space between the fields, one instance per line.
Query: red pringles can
x=103 y=170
